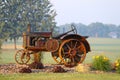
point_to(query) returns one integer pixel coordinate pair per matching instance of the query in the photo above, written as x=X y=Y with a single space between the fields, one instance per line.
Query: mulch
x=53 y=68
x=16 y=68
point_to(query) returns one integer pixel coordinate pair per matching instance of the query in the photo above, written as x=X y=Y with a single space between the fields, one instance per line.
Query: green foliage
x=16 y=14
x=117 y=65
x=101 y=63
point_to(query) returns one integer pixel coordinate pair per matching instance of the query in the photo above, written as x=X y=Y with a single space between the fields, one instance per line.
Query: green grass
x=7 y=56
x=61 y=76
x=104 y=41
x=105 y=44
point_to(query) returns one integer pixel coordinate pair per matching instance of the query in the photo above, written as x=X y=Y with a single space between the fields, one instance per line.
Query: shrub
x=117 y=65
x=101 y=63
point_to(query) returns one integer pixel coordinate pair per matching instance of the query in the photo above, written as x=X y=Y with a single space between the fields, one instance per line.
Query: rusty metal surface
x=72 y=52
x=52 y=45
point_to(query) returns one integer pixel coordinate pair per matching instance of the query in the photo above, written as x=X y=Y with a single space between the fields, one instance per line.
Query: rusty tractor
x=67 y=48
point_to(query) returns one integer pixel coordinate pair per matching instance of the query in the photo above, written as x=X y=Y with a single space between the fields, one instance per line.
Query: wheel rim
x=56 y=57
x=72 y=52
x=22 y=57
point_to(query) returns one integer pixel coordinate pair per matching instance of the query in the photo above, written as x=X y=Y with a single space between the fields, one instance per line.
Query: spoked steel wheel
x=72 y=52
x=22 y=56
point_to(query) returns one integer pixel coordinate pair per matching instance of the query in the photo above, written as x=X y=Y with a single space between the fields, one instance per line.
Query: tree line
x=96 y=29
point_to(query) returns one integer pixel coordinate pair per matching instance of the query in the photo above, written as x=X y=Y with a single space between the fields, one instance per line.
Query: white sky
x=87 y=11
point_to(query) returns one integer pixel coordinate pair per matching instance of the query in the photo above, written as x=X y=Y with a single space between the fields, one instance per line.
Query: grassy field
x=99 y=46
x=104 y=46
x=61 y=76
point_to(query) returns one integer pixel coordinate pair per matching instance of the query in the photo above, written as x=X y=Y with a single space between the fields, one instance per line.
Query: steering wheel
x=74 y=28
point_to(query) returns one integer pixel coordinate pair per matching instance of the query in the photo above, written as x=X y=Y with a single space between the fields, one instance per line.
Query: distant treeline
x=94 y=29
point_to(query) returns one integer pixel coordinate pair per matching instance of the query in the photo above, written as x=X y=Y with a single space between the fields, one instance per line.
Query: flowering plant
x=101 y=63
x=117 y=65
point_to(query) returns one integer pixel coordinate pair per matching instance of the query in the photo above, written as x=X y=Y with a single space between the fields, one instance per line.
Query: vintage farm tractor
x=67 y=48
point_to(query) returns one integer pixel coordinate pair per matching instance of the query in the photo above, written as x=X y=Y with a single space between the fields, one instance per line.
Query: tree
x=8 y=10
x=82 y=29
x=16 y=14
x=3 y=33
x=111 y=30
x=98 y=30
x=118 y=31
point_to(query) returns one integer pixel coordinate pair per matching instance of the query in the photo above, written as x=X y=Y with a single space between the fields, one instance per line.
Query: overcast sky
x=87 y=11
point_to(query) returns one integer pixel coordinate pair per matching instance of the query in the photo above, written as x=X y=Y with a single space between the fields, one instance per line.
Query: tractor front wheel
x=22 y=56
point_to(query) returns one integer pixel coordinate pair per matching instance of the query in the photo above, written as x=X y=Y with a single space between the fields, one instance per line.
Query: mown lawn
x=61 y=76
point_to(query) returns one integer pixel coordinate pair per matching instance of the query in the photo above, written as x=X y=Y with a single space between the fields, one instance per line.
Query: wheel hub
x=72 y=52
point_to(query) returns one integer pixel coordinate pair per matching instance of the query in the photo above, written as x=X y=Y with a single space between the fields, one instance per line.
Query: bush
x=101 y=63
x=117 y=65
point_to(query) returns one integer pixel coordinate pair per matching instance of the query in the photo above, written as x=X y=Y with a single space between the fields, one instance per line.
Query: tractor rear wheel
x=72 y=52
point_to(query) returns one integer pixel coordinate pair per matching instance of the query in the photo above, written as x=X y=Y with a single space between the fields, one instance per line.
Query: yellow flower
x=106 y=59
x=97 y=57
x=117 y=64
